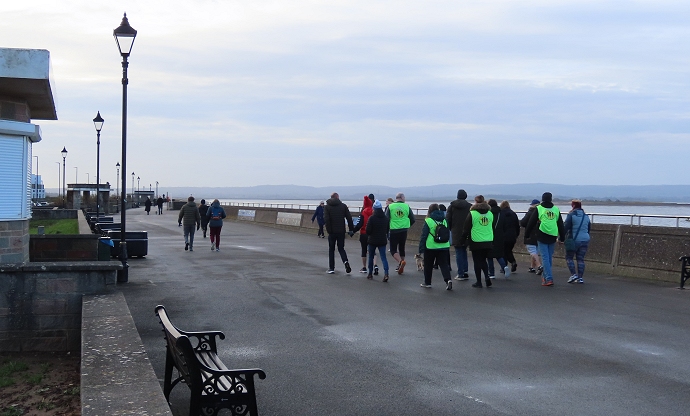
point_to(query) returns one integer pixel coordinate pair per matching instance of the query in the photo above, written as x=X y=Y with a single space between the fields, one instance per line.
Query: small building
x=83 y=195
x=38 y=191
x=26 y=94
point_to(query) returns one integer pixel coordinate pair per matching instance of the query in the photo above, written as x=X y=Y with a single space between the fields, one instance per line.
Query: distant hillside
x=447 y=192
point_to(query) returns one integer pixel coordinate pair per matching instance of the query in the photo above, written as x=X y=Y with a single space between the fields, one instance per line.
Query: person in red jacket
x=361 y=226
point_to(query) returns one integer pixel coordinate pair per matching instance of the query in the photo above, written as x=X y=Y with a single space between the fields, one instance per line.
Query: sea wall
x=620 y=250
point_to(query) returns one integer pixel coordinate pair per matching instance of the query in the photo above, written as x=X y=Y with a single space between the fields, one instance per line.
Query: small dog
x=420 y=261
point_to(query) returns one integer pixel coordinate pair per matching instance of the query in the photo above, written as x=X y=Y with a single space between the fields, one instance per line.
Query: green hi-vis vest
x=482 y=227
x=430 y=243
x=400 y=215
x=548 y=218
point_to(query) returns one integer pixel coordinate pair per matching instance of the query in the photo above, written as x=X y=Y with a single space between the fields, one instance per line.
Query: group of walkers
x=489 y=229
x=159 y=205
x=209 y=218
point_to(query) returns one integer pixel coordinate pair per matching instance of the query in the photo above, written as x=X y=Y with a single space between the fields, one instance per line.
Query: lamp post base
x=123 y=275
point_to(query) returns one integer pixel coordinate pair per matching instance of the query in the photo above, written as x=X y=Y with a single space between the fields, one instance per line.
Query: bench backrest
x=180 y=349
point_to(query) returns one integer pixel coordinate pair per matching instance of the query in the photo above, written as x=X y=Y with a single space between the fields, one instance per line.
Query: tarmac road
x=341 y=345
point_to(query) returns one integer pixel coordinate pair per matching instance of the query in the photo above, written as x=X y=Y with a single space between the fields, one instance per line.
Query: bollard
x=41 y=230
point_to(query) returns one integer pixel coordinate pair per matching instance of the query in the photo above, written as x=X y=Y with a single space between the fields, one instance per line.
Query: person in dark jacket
x=531 y=240
x=335 y=215
x=148 y=204
x=361 y=226
x=318 y=216
x=497 y=250
x=478 y=232
x=455 y=216
x=511 y=231
x=377 y=229
x=189 y=217
x=547 y=223
x=203 y=210
x=214 y=218
x=159 y=202
x=433 y=251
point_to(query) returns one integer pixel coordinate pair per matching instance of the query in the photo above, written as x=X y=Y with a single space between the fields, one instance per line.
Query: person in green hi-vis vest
x=548 y=226
x=478 y=232
x=401 y=219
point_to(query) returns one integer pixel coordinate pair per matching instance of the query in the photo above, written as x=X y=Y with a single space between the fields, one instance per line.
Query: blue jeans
x=382 y=254
x=579 y=255
x=501 y=262
x=546 y=253
x=189 y=234
x=461 y=260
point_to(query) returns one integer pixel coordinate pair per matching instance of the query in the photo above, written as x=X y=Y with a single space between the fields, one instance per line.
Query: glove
x=179 y=224
x=197 y=227
x=350 y=233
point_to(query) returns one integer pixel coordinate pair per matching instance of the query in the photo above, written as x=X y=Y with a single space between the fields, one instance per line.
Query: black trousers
x=479 y=257
x=442 y=257
x=333 y=240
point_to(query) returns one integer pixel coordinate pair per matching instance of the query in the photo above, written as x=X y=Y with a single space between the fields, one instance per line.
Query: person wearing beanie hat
x=318 y=216
x=377 y=230
x=547 y=223
x=361 y=226
x=531 y=241
x=455 y=216
x=203 y=209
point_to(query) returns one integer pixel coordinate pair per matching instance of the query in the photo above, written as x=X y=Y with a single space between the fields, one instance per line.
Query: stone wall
x=54 y=214
x=41 y=303
x=63 y=247
x=14 y=241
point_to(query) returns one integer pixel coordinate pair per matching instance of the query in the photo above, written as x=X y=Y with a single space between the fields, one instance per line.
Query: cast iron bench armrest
x=205 y=341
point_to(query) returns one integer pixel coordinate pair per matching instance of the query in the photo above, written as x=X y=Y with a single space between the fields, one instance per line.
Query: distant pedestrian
x=318 y=215
x=367 y=211
x=530 y=241
x=548 y=225
x=190 y=218
x=377 y=238
x=147 y=205
x=435 y=252
x=578 y=227
x=214 y=217
x=511 y=232
x=478 y=232
x=497 y=250
x=401 y=219
x=159 y=202
x=203 y=210
x=456 y=216
x=336 y=214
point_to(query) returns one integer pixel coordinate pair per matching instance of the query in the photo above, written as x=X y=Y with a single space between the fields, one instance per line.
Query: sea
x=658 y=215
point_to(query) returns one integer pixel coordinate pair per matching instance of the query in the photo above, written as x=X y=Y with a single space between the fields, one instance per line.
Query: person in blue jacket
x=577 y=226
x=215 y=215
x=318 y=215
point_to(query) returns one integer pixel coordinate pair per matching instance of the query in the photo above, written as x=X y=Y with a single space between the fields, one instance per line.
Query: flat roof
x=25 y=74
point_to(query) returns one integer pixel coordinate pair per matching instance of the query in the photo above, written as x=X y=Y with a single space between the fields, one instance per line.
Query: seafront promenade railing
x=651 y=220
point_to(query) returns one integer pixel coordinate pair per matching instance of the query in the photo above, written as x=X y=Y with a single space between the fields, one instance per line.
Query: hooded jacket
x=335 y=215
x=203 y=209
x=499 y=229
x=437 y=216
x=377 y=229
x=189 y=215
x=578 y=220
x=529 y=239
x=367 y=211
x=481 y=208
x=215 y=207
x=511 y=227
x=533 y=227
x=456 y=215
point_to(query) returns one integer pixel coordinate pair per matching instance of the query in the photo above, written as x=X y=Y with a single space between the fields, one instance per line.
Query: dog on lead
x=419 y=259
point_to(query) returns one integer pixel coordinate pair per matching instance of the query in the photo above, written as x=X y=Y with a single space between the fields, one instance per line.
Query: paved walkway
x=342 y=345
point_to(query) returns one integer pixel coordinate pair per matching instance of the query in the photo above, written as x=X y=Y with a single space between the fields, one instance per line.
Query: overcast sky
x=396 y=93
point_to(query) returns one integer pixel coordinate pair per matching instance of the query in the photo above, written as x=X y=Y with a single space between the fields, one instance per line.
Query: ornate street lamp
x=98 y=123
x=64 y=193
x=124 y=36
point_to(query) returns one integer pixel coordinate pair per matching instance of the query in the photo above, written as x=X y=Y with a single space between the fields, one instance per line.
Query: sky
x=394 y=93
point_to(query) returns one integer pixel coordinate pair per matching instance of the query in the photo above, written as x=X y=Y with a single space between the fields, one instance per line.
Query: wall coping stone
x=62 y=266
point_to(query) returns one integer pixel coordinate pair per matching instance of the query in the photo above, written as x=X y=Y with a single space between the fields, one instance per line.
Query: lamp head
x=64 y=152
x=124 y=36
x=98 y=122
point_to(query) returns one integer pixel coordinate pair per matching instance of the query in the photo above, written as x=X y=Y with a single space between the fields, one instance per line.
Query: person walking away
x=578 y=226
x=377 y=237
x=147 y=205
x=189 y=218
x=361 y=226
x=478 y=231
x=159 y=203
x=401 y=219
x=318 y=215
x=203 y=210
x=335 y=215
x=434 y=245
x=511 y=232
x=455 y=216
x=214 y=218
x=548 y=225
x=497 y=251
x=531 y=240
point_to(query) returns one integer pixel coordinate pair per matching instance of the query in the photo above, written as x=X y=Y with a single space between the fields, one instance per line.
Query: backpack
x=215 y=215
x=442 y=233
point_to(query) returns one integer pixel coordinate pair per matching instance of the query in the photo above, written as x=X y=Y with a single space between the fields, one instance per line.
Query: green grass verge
x=67 y=226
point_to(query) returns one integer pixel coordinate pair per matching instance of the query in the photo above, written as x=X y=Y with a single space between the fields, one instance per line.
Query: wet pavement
x=342 y=345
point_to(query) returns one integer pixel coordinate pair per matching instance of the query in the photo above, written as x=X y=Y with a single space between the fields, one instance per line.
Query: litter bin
x=104 y=244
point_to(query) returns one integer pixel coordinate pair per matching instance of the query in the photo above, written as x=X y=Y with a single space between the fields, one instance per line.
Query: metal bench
x=213 y=386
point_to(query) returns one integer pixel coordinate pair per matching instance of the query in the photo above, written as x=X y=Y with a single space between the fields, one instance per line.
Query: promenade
x=341 y=345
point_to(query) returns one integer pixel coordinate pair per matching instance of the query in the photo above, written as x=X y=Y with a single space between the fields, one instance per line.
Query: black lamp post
x=98 y=123
x=124 y=36
x=64 y=193
x=138 y=192
x=156 y=189
x=132 y=194
x=117 y=193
